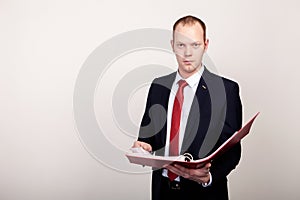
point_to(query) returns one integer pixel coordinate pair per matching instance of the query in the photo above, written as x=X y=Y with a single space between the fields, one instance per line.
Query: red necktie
x=175 y=124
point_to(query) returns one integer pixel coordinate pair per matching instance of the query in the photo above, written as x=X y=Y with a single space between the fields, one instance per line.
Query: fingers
x=175 y=169
x=144 y=145
x=181 y=171
x=198 y=175
x=207 y=167
x=203 y=165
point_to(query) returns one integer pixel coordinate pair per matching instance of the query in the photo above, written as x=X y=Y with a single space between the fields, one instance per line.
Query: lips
x=187 y=62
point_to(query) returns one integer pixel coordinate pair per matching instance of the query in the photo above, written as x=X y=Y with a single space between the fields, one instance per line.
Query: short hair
x=190 y=20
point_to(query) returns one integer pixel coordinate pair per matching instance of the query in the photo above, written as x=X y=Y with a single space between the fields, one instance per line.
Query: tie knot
x=182 y=83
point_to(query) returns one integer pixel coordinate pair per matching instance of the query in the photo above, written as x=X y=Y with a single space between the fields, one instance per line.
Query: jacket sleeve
x=223 y=165
x=146 y=127
x=153 y=122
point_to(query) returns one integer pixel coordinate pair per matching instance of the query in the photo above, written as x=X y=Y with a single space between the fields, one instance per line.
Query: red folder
x=147 y=159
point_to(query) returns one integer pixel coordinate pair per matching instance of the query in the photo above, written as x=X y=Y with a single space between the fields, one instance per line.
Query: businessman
x=191 y=111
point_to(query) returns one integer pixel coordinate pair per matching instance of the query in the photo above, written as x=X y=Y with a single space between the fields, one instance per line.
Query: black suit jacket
x=216 y=113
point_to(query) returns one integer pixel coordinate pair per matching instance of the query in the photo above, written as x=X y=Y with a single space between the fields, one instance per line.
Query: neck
x=187 y=74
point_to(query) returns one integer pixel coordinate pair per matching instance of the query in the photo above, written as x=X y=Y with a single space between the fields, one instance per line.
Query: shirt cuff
x=209 y=183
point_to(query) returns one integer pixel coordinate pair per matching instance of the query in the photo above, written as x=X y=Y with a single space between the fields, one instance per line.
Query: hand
x=144 y=145
x=200 y=175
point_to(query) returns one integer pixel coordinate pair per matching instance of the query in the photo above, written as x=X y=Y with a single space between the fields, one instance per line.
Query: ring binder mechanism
x=145 y=158
x=187 y=157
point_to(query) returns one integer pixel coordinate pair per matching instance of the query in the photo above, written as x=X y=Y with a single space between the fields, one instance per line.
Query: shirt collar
x=192 y=80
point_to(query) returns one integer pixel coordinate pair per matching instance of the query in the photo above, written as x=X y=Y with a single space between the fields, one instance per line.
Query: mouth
x=187 y=62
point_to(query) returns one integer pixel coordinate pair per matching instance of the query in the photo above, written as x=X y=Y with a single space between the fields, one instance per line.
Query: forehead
x=189 y=32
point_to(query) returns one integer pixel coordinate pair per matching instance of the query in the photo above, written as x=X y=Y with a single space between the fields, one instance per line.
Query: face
x=189 y=46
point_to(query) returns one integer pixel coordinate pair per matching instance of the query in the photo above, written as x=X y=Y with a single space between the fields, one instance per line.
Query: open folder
x=142 y=157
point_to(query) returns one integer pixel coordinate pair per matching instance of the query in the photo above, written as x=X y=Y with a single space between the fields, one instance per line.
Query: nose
x=187 y=51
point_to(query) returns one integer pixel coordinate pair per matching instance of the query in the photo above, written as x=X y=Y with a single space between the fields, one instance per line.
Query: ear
x=206 y=44
x=172 y=45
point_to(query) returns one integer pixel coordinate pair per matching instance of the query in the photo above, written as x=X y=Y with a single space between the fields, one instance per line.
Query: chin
x=189 y=68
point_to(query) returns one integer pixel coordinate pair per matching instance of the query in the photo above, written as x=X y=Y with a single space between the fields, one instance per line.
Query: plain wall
x=44 y=45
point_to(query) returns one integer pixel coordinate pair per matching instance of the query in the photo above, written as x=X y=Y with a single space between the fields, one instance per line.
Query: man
x=191 y=111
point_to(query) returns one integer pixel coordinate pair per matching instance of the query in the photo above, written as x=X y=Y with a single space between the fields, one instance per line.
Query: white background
x=43 y=45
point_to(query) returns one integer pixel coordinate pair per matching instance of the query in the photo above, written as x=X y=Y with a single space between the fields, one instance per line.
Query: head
x=189 y=43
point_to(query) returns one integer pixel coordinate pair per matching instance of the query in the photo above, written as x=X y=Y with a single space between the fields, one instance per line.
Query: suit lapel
x=206 y=116
x=165 y=86
x=198 y=108
x=199 y=116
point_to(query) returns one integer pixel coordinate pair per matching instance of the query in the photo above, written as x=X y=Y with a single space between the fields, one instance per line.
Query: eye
x=180 y=45
x=196 y=45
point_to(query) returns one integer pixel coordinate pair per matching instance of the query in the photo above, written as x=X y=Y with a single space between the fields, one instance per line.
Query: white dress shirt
x=189 y=93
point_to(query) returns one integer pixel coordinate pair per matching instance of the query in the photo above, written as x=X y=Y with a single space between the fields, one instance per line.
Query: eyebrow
x=189 y=43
